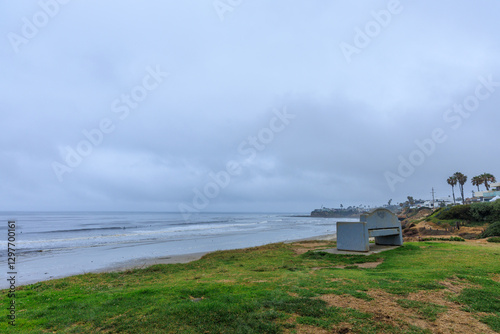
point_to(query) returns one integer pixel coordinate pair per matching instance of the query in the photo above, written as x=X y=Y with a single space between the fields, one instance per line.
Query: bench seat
x=383 y=232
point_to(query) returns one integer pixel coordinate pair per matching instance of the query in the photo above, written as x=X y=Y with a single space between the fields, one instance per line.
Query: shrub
x=481 y=211
x=460 y=212
x=494 y=239
x=486 y=211
x=495 y=211
x=438 y=211
x=492 y=231
x=444 y=239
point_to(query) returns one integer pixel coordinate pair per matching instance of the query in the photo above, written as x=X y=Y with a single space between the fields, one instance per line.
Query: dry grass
x=305 y=246
x=386 y=309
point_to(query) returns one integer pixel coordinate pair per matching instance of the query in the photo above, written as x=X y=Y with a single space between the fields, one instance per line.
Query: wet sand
x=144 y=263
x=185 y=258
x=98 y=260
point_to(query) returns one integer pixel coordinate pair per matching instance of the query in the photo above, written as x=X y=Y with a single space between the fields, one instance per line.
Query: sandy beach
x=185 y=258
x=56 y=245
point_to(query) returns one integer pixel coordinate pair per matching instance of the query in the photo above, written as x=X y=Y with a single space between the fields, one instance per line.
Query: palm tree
x=452 y=181
x=477 y=181
x=487 y=177
x=461 y=178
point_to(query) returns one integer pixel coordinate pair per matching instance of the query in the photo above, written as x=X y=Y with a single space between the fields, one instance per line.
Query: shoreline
x=80 y=243
x=186 y=258
x=142 y=263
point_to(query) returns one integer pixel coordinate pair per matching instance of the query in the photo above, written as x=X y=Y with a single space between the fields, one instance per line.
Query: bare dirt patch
x=366 y=265
x=429 y=225
x=305 y=246
x=452 y=287
x=226 y=281
x=472 y=229
x=479 y=241
x=303 y=329
x=306 y=329
x=429 y=229
x=454 y=320
x=411 y=215
x=331 y=280
x=385 y=308
x=495 y=277
x=370 y=265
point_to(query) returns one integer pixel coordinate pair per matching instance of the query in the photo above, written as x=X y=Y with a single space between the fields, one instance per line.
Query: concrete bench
x=379 y=223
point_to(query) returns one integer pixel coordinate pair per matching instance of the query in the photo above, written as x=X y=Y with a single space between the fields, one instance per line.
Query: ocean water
x=59 y=244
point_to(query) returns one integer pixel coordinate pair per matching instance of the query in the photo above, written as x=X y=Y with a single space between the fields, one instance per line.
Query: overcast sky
x=232 y=105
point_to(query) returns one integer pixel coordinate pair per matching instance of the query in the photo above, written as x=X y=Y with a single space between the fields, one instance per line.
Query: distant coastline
x=327 y=216
x=336 y=213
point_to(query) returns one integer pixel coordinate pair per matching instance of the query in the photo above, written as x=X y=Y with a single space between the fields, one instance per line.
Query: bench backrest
x=380 y=218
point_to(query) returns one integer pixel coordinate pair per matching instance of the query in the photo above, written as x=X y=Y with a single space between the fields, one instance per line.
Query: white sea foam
x=61 y=244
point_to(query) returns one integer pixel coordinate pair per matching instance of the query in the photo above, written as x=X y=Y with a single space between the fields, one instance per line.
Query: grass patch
x=337 y=259
x=493 y=321
x=266 y=289
x=429 y=311
x=481 y=300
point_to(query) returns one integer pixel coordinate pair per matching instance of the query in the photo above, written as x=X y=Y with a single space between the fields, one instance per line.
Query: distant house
x=442 y=201
x=486 y=196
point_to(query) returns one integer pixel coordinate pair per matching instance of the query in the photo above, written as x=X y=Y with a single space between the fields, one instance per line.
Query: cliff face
x=325 y=212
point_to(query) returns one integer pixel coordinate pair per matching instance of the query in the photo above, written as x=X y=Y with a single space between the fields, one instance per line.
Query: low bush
x=492 y=231
x=476 y=212
x=460 y=212
x=444 y=239
x=486 y=211
x=494 y=239
x=495 y=212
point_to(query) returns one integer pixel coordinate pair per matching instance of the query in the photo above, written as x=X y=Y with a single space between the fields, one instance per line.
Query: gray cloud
x=353 y=120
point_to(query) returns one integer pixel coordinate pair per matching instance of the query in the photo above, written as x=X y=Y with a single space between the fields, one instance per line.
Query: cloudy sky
x=232 y=105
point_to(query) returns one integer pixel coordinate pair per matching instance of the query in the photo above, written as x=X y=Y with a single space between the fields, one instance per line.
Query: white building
x=437 y=202
x=488 y=195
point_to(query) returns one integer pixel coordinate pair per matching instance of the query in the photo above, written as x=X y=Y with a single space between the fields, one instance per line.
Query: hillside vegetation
x=465 y=221
x=485 y=212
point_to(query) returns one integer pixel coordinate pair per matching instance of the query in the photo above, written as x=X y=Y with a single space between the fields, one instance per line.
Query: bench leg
x=352 y=237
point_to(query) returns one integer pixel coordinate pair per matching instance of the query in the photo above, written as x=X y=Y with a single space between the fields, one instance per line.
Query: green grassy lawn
x=273 y=289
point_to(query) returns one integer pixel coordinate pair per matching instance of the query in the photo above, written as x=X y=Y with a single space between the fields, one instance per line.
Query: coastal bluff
x=336 y=213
